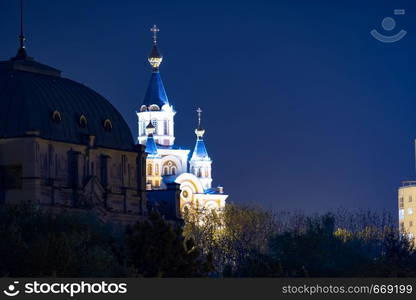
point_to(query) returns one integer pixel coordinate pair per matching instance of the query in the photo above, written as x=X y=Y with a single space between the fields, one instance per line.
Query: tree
x=36 y=243
x=158 y=249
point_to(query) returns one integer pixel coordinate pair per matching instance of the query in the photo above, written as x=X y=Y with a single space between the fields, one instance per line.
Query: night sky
x=303 y=108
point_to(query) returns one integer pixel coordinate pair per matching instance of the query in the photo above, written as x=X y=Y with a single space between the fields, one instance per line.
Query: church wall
x=20 y=155
x=62 y=174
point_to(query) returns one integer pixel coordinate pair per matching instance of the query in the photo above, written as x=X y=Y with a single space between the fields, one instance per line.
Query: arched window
x=83 y=121
x=206 y=173
x=56 y=116
x=143 y=108
x=149 y=169
x=199 y=173
x=156 y=169
x=154 y=107
x=169 y=168
x=107 y=125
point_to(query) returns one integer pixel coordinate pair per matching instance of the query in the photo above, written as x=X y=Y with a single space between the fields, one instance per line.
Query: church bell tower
x=200 y=162
x=156 y=103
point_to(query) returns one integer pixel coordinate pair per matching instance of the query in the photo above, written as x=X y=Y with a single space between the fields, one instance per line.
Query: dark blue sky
x=303 y=108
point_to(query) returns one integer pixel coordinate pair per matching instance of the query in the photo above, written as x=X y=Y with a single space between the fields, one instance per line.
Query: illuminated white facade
x=167 y=163
x=162 y=119
x=407 y=208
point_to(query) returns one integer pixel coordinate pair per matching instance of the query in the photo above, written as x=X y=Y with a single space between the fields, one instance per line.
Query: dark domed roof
x=31 y=92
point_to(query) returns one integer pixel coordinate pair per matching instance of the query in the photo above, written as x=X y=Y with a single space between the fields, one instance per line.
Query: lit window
x=108 y=125
x=56 y=116
x=401 y=214
x=401 y=202
x=149 y=169
x=410 y=211
x=154 y=123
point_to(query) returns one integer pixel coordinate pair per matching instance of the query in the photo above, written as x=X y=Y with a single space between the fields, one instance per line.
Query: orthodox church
x=166 y=163
x=65 y=147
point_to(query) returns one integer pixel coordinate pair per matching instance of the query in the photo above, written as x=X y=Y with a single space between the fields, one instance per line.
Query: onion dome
x=200 y=151
x=155 y=93
x=151 y=148
x=155 y=58
x=150 y=129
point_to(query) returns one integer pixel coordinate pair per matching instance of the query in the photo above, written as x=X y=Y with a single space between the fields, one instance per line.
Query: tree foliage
x=251 y=242
x=241 y=241
x=35 y=243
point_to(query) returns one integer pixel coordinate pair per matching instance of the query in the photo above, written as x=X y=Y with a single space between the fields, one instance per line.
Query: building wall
x=68 y=175
x=407 y=209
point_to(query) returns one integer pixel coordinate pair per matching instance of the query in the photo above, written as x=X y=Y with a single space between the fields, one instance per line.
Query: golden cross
x=155 y=30
x=199 y=111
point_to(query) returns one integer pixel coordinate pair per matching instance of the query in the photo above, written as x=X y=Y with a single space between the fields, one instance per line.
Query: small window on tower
x=83 y=121
x=56 y=116
x=154 y=107
x=108 y=126
x=410 y=223
x=410 y=198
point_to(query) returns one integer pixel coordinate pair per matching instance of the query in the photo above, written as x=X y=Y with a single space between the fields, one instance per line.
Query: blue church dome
x=35 y=99
x=155 y=93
